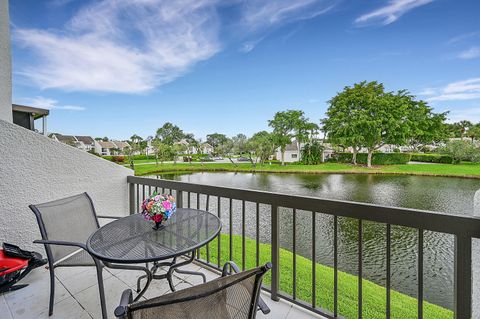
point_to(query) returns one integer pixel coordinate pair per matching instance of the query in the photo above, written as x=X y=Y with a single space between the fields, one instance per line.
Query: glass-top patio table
x=132 y=240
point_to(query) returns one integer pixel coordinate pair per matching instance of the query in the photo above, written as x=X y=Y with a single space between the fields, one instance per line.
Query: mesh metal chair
x=230 y=296
x=65 y=226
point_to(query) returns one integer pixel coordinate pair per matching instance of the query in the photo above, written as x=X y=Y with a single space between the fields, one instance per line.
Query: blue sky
x=114 y=68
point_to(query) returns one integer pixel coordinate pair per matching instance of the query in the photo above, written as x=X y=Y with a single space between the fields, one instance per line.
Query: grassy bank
x=402 y=306
x=459 y=170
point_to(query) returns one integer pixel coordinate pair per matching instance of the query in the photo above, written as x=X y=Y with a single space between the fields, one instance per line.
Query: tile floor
x=76 y=295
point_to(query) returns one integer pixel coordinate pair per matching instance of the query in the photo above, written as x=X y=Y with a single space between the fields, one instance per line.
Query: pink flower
x=167 y=205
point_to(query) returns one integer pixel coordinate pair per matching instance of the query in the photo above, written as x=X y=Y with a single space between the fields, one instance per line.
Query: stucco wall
x=36 y=169
x=5 y=65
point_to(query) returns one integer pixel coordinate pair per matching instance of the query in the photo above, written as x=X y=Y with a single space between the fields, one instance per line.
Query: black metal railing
x=464 y=229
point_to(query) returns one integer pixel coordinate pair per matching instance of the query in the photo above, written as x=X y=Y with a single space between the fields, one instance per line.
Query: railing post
x=463 y=277
x=131 y=197
x=275 y=253
x=179 y=199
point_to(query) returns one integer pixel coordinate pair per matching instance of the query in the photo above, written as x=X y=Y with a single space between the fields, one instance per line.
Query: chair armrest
x=60 y=243
x=232 y=265
x=125 y=300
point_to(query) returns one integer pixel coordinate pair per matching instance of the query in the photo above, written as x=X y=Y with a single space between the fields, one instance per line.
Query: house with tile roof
x=111 y=147
x=85 y=143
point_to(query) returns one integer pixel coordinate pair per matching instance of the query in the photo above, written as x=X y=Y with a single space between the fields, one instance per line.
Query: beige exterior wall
x=36 y=169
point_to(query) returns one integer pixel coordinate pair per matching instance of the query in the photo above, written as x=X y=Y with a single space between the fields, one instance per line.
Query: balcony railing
x=228 y=202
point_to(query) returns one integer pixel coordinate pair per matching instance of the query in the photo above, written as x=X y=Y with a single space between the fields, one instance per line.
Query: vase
x=158 y=226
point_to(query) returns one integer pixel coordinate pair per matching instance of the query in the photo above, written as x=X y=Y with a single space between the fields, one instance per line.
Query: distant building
x=111 y=147
x=88 y=144
x=85 y=143
x=291 y=153
x=206 y=148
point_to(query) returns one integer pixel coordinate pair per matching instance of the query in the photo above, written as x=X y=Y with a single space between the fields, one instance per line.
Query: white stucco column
x=476 y=262
x=5 y=64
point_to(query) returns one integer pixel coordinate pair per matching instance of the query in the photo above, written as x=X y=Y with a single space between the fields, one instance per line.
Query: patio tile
x=4 y=310
x=278 y=309
x=81 y=281
x=297 y=312
x=35 y=295
x=90 y=300
x=197 y=280
x=183 y=285
x=129 y=277
x=68 y=308
x=63 y=273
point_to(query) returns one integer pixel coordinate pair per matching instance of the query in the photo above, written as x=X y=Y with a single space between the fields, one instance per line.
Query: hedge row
x=377 y=158
x=432 y=158
x=114 y=158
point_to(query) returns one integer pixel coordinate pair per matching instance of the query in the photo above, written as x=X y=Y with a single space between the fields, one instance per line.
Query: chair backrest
x=233 y=296
x=68 y=219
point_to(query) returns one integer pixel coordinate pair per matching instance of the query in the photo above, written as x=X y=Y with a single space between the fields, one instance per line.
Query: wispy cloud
x=135 y=46
x=470 y=114
x=471 y=53
x=463 y=37
x=123 y=46
x=461 y=90
x=50 y=104
x=390 y=13
x=262 y=16
x=427 y=92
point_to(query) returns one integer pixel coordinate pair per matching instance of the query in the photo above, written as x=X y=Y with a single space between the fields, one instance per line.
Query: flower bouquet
x=158 y=208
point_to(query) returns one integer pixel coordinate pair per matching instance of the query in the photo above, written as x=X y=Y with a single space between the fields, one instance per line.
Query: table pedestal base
x=173 y=267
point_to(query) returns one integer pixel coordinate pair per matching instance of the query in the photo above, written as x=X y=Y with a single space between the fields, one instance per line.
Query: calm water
x=448 y=195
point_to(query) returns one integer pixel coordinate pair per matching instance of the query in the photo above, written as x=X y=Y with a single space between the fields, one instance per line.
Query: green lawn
x=402 y=306
x=462 y=170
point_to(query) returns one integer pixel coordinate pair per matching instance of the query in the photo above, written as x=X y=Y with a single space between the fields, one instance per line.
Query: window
x=294 y=155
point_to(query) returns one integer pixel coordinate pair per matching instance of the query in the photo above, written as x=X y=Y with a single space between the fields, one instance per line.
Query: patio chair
x=230 y=296
x=65 y=226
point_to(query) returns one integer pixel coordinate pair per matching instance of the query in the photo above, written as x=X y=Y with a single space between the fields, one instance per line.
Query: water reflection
x=448 y=195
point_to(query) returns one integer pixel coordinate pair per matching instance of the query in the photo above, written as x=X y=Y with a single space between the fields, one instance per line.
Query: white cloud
x=461 y=90
x=123 y=46
x=49 y=104
x=462 y=37
x=469 y=114
x=471 y=53
x=390 y=13
x=135 y=46
x=261 y=16
x=427 y=91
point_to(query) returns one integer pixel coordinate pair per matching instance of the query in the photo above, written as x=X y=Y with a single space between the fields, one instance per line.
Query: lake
x=440 y=194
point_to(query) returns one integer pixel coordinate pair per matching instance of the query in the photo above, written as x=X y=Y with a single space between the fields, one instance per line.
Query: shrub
x=118 y=159
x=274 y=161
x=462 y=151
x=312 y=153
x=377 y=158
x=144 y=157
x=432 y=158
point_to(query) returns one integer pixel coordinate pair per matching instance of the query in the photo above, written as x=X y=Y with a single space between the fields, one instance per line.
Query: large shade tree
x=215 y=140
x=169 y=133
x=365 y=115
